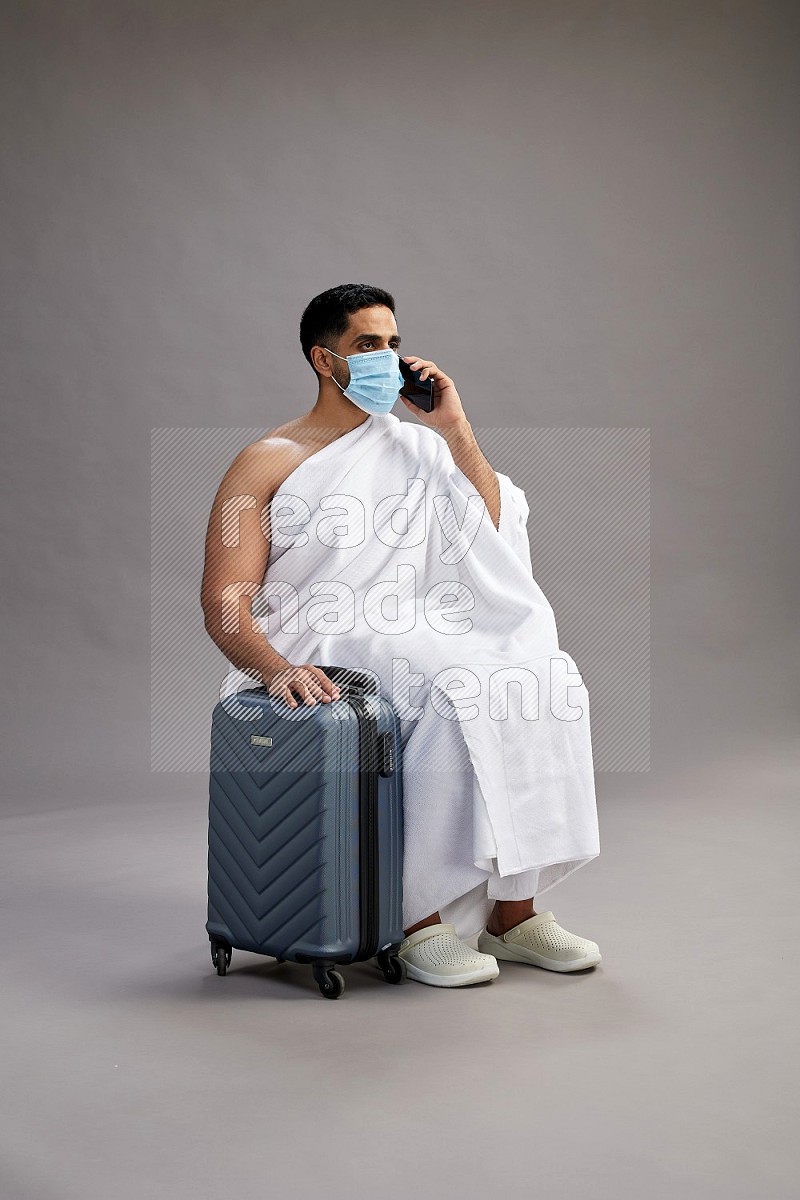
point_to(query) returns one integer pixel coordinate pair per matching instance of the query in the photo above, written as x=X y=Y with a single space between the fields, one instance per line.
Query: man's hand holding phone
x=447 y=411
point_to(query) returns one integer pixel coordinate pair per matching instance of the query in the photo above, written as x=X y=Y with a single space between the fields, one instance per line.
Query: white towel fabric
x=383 y=555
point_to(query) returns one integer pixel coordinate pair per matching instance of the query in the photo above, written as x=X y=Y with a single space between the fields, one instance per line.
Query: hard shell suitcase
x=305 y=830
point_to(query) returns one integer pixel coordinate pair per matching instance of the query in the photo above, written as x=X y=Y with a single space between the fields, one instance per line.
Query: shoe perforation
x=550 y=936
x=445 y=950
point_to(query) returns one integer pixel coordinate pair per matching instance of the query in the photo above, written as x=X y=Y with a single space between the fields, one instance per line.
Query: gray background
x=587 y=213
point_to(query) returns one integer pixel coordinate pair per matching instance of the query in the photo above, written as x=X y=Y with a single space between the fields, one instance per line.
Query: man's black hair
x=327 y=316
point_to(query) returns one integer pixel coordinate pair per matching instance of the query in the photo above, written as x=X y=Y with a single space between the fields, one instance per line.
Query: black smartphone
x=419 y=392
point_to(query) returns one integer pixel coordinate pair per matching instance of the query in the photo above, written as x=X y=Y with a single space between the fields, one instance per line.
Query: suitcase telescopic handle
x=351 y=679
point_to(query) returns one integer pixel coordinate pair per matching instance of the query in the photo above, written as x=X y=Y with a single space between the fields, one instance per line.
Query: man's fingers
x=317 y=686
x=327 y=684
x=308 y=681
x=310 y=689
x=423 y=365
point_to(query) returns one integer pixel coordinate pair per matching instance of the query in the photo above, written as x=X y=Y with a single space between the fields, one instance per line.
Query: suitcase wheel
x=394 y=968
x=221 y=956
x=331 y=983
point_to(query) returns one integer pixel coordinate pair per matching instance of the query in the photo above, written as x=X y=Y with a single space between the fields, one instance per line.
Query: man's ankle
x=501 y=919
x=434 y=919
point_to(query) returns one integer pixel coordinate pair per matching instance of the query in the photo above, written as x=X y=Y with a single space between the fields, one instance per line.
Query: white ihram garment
x=498 y=782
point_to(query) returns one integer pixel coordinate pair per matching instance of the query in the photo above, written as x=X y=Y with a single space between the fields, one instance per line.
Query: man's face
x=368 y=329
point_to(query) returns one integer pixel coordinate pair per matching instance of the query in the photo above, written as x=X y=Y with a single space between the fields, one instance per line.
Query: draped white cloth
x=384 y=558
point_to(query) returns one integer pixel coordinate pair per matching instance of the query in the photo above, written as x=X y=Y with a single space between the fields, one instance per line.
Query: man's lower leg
x=508 y=913
x=433 y=919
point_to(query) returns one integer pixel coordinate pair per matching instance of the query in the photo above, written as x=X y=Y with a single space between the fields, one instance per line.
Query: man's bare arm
x=468 y=457
x=236 y=558
x=237 y=549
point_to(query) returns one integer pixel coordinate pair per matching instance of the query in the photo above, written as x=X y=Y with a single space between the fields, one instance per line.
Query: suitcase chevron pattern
x=263 y=860
x=304 y=832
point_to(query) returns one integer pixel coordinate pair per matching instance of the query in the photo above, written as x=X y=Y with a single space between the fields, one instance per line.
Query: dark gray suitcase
x=305 y=830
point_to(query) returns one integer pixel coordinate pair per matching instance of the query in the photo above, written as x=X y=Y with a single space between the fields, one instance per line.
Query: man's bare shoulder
x=263 y=465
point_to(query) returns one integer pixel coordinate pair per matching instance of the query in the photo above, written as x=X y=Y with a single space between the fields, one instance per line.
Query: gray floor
x=132 y=1070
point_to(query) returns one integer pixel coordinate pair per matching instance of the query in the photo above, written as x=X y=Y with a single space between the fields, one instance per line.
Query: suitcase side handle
x=353 y=680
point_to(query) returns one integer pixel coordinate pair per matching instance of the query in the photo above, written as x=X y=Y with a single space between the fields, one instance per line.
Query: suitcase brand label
x=258 y=740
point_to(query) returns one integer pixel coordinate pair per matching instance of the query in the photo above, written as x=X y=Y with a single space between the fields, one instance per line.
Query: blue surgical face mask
x=375 y=379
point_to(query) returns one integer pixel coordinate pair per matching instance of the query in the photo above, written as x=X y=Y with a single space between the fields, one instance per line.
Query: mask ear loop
x=333 y=377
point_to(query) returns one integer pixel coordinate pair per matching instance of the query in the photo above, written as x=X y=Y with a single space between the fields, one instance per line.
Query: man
x=493 y=808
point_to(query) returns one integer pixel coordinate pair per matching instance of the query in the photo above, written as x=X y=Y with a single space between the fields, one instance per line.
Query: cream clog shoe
x=435 y=955
x=540 y=940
